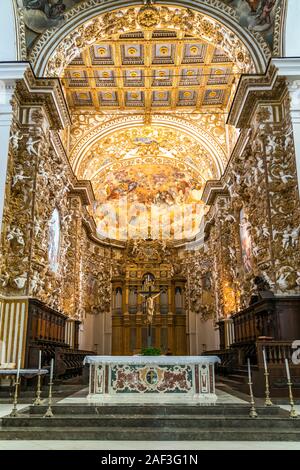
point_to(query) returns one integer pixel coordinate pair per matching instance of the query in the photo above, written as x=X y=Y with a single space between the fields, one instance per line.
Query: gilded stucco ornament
x=148 y=16
x=126 y=20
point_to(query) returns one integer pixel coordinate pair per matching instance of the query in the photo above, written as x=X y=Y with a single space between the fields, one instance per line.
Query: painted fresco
x=257 y=15
x=40 y=15
x=135 y=198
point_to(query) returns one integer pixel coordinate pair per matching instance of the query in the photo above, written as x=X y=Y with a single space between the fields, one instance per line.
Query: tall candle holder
x=268 y=401
x=49 y=413
x=252 y=412
x=14 y=412
x=38 y=401
x=293 y=412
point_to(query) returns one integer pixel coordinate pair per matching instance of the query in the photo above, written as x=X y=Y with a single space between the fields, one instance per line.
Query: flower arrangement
x=151 y=352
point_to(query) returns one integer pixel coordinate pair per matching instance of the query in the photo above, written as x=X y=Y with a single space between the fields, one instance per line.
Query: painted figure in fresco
x=52 y=11
x=265 y=15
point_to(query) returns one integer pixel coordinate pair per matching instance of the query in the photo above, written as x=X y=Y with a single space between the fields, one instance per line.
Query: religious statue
x=150 y=307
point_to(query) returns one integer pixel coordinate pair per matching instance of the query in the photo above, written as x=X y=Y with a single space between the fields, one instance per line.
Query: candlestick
x=51 y=370
x=40 y=360
x=14 y=412
x=49 y=413
x=249 y=371
x=293 y=412
x=268 y=401
x=18 y=369
x=252 y=413
x=265 y=359
x=287 y=370
x=38 y=400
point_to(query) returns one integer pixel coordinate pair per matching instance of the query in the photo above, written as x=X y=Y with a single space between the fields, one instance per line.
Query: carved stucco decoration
x=96 y=274
x=208 y=130
x=126 y=20
x=198 y=270
x=262 y=181
x=39 y=180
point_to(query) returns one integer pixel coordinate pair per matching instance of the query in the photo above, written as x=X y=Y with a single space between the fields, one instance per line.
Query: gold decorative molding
x=122 y=21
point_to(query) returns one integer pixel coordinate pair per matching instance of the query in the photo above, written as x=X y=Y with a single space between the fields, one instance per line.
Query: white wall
x=207 y=336
x=86 y=334
x=8 y=37
x=96 y=329
x=291 y=33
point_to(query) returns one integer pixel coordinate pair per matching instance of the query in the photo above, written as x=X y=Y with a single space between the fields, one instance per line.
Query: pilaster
x=9 y=74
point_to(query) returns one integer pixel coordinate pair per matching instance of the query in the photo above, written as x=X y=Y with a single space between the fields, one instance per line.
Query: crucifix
x=149 y=295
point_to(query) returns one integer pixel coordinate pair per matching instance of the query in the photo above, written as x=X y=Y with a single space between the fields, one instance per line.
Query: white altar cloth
x=152 y=379
x=162 y=360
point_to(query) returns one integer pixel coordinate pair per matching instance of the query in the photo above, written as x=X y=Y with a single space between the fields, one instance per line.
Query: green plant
x=151 y=352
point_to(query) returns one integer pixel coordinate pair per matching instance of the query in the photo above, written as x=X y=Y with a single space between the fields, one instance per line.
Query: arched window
x=54 y=241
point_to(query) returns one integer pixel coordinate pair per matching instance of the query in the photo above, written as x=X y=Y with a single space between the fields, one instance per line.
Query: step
x=238 y=378
x=150 y=434
x=241 y=423
x=231 y=382
x=162 y=410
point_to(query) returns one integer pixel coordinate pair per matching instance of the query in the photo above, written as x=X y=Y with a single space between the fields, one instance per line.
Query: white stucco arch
x=9 y=48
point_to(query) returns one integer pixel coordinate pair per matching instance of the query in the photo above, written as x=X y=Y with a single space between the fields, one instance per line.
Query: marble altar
x=152 y=379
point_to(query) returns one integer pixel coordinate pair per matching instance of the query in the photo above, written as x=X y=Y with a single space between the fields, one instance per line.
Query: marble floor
x=80 y=397
x=150 y=445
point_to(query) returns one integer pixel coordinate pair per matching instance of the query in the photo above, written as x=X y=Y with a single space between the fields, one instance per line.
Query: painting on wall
x=245 y=239
x=157 y=195
x=257 y=15
x=54 y=241
x=40 y=15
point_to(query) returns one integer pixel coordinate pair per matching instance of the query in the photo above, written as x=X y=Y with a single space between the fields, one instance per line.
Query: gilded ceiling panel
x=158 y=72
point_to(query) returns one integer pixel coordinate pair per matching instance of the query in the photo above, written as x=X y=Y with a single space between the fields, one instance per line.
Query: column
x=290 y=68
x=229 y=332
x=9 y=74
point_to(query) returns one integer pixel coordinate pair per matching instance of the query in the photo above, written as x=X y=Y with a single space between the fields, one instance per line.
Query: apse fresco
x=159 y=196
x=148 y=176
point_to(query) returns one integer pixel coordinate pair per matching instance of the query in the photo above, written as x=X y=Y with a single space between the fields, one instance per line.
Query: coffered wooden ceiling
x=165 y=71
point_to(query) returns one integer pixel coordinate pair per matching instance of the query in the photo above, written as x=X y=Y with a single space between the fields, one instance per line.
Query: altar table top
x=159 y=360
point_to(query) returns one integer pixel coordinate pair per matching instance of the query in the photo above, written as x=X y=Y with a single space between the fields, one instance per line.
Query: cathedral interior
x=153 y=142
